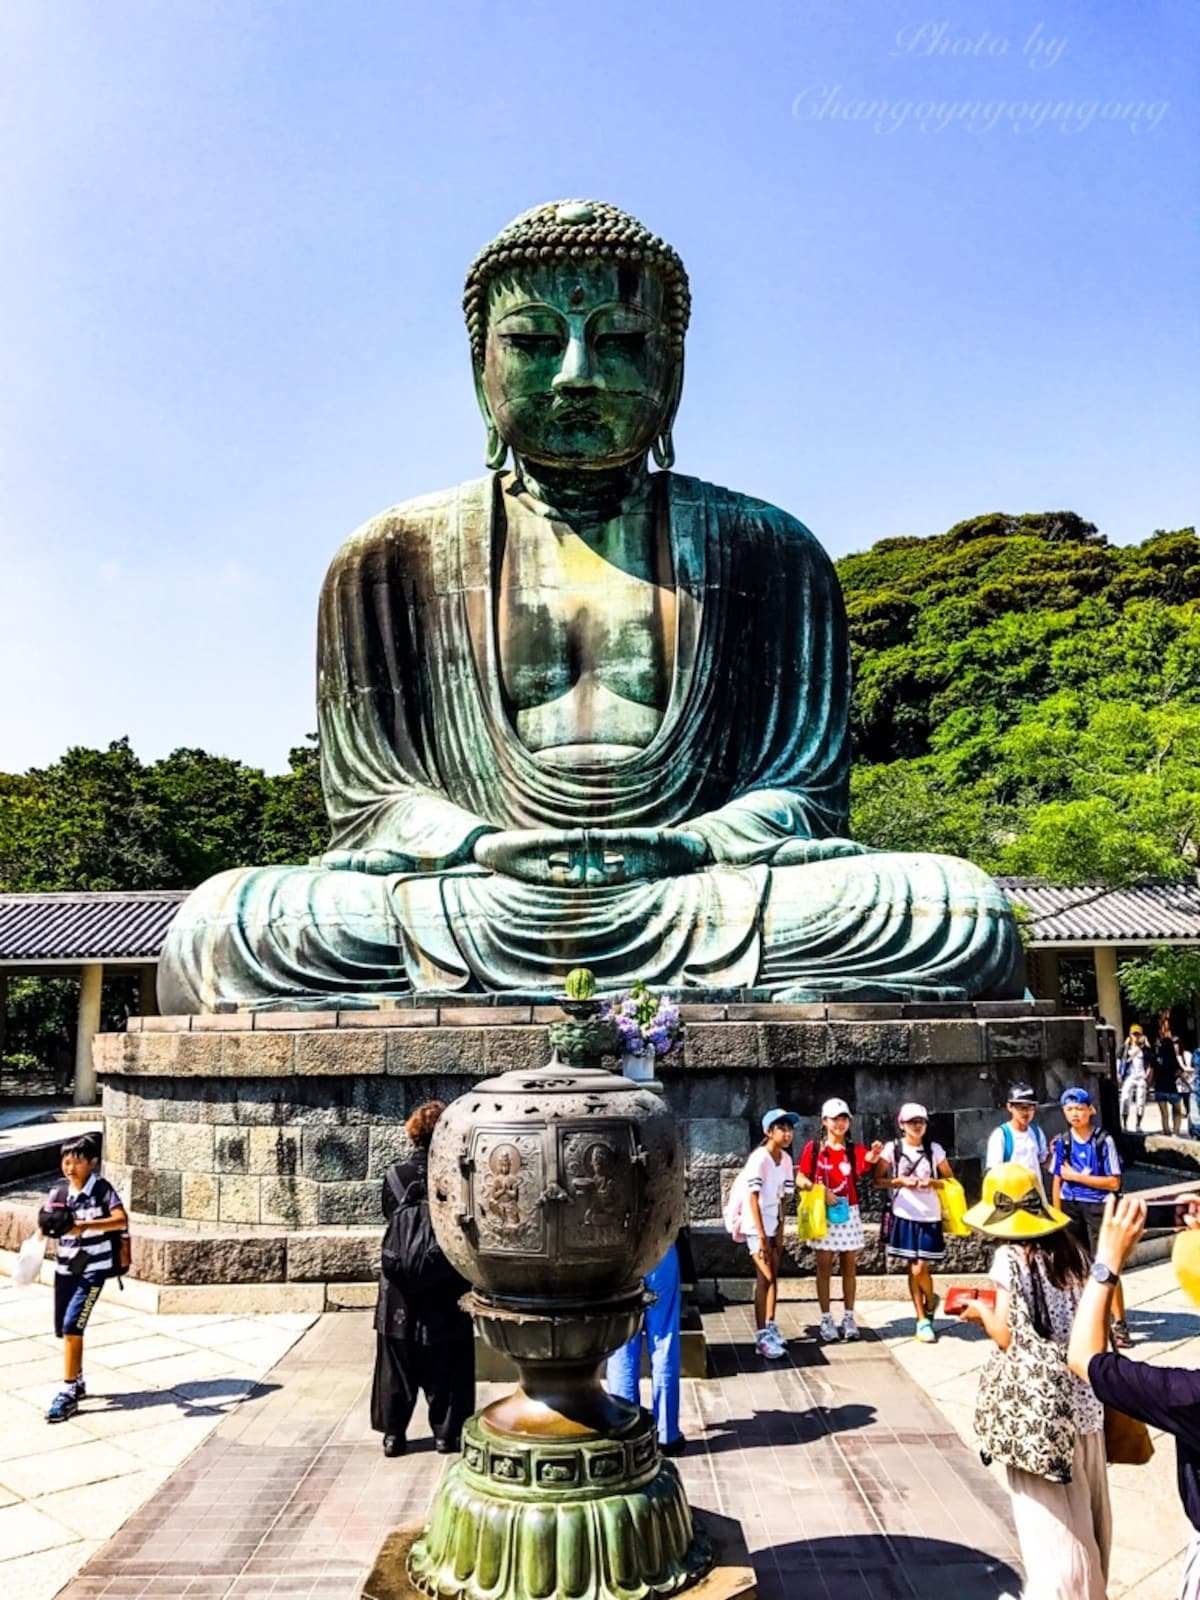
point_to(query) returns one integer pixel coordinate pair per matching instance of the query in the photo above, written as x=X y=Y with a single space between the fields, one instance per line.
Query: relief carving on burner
x=598 y=1172
x=508 y=1177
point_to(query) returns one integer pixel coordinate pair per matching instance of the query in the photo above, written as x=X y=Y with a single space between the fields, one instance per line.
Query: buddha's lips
x=574 y=409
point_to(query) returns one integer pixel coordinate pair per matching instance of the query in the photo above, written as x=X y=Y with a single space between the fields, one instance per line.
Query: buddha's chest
x=586 y=632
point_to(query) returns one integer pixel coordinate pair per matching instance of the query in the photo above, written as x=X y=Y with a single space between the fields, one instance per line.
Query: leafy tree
x=294 y=824
x=1029 y=695
x=1169 y=977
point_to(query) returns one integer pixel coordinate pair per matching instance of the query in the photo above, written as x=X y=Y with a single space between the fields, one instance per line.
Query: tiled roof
x=86 y=927
x=1091 y=913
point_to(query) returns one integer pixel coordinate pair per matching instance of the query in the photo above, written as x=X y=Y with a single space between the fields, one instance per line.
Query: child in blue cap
x=1087 y=1169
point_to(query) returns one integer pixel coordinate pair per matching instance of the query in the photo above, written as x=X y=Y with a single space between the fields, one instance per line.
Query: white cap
x=835 y=1108
x=910 y=1111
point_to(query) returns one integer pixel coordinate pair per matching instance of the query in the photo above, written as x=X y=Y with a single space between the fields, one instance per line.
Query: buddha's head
x=577 y=317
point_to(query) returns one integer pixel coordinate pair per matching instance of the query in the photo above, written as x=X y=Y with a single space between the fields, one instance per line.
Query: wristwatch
x=1104 y=1274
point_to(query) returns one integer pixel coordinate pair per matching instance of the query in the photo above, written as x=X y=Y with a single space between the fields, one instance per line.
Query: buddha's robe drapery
x=420 y=757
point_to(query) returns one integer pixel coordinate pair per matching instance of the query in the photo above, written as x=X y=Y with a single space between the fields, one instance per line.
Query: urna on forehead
x=578 y=232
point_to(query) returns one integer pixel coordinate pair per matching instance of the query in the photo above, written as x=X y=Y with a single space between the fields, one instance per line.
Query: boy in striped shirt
x=86 y=1257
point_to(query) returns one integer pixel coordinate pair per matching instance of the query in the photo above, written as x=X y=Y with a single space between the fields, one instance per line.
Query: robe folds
x=420 y=758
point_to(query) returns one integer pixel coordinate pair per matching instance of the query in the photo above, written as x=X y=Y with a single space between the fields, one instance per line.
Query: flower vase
x=638 y=1068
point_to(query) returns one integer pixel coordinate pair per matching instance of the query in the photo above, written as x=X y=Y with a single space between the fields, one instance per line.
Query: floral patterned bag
x=1023 y=1414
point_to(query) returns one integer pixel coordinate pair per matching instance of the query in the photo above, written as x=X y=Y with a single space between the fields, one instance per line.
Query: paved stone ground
x=1150 y=1530
x=846 y=1481
x=158 y=1386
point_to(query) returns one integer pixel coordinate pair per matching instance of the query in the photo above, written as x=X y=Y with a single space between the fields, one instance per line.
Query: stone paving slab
x=66 y=1489
x=840 y=1474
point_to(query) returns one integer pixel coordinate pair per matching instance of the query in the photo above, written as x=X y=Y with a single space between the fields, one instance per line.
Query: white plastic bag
x=29 y=1261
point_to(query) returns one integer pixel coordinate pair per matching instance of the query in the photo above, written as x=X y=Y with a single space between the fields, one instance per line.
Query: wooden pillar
x=148 y=991
x=1050 y=979
x=91 y=982
x=1108 y=990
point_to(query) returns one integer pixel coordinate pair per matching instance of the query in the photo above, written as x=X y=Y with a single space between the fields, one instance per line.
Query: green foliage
x=101 y=819
x=1169 y=977
x=294 y=824
x=1029 y=696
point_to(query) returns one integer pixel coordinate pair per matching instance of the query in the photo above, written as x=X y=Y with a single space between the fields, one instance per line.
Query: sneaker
x=773 y=1330
x=63 y=1406
x=849 y=1326
x=1121 y=1337
x=770 y=1349
x=80 y=1389
x=827 y=1332
x=925 y=1333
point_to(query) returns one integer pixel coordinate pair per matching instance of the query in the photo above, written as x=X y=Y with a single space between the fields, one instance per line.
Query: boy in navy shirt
x=1087 y=1169
x=86 y=1257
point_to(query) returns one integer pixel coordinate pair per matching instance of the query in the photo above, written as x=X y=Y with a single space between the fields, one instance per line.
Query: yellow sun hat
x=1185 y=1258
x=1013 y=1206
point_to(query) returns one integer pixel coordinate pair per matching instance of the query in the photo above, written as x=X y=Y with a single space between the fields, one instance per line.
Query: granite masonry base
x=251 y=1147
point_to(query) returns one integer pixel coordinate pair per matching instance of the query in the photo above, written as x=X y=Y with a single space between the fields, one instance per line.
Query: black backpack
x=60 y=1197
x=411 y=1258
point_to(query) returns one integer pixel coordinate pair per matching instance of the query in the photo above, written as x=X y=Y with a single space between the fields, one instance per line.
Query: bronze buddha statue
x=579 y=712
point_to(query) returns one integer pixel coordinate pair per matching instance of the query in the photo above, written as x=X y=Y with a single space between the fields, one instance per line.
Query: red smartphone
x=958 y=1298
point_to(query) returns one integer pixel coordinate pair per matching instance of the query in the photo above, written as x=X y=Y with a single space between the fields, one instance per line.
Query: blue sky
x=943 y=260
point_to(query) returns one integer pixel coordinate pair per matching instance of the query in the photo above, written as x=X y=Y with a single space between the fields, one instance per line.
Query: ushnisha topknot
x=575 y=230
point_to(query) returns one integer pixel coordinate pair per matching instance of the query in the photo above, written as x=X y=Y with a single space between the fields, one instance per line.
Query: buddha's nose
x=577 y=371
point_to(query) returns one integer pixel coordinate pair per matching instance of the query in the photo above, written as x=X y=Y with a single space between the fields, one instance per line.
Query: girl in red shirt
x=838 y=1163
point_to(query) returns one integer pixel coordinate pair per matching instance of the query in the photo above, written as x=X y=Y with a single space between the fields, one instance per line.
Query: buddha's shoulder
x=752 y=517
x=411 y=528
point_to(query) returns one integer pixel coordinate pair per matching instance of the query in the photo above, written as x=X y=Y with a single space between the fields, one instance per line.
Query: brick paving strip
x=846 y=1478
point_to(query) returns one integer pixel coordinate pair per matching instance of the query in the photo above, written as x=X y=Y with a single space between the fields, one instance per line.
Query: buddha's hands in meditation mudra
x=593 y=857
x=571 y=858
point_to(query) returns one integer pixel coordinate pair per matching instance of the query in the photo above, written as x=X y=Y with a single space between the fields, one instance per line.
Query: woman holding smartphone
x=1064 y=1529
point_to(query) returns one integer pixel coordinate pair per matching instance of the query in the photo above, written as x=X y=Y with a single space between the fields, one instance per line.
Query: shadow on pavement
x=784 y=1427
x=200 y=1394
x=1162 y=1327
x=883 y=1567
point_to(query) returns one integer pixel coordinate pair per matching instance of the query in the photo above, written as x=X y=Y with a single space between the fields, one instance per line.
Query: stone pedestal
x=268 y=1134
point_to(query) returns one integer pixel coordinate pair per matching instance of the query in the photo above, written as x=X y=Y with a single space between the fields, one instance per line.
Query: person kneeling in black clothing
x=423 y=1340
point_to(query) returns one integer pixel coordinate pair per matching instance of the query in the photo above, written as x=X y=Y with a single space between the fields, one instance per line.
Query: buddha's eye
x=534 y=344
x=625 y=344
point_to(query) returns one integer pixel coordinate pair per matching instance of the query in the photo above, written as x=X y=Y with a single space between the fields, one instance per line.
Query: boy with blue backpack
x=1087 y=1169
x=1020 y=1139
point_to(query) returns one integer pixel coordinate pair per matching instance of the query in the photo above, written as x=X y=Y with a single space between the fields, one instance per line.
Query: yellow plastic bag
x=810 y=1213
x=954 y=1205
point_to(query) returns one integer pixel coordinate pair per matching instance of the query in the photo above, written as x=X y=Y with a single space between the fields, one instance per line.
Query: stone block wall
x=275 y=1122
x=252 y=1148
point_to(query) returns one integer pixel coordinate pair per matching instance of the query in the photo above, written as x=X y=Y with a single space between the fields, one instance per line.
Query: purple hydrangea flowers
x=647 y=1023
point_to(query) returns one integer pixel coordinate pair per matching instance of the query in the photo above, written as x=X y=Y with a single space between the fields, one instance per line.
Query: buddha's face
x=578 y=368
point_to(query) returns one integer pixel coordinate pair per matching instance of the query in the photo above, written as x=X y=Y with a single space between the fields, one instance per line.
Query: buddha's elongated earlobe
x=497 y=448
x=663 y=448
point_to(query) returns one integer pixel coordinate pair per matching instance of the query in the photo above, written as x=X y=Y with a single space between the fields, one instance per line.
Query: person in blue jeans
x=661 y=1331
